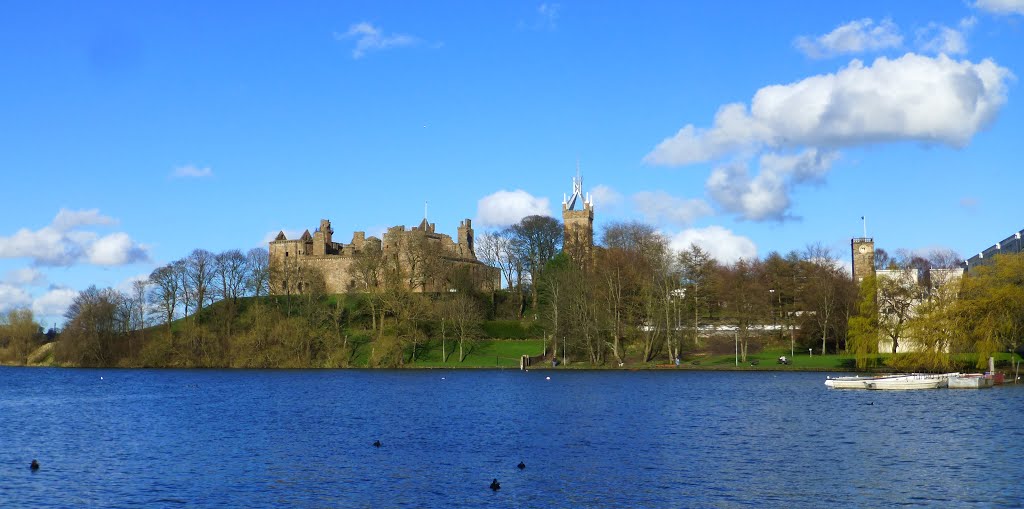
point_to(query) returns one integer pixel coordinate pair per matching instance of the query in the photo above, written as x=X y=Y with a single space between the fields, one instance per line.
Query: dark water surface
x=168 y=438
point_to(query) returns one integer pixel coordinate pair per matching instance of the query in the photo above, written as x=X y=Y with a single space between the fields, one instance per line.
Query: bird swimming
x=521 y=465
x=376 y=443
x=34 y=465
x=495 y=486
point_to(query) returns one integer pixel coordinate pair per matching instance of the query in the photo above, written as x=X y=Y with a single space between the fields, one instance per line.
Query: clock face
x=863 y=249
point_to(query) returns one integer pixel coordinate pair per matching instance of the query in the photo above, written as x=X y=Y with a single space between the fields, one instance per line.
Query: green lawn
x=482 y=354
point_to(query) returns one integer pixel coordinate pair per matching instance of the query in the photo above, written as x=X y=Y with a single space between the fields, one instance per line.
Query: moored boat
x=854 y=382
x=891 y=382
x=908 y=383
x=971 y=381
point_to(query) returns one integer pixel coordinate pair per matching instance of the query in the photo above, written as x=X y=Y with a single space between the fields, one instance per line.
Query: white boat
x=855 y=382
x=890 y=382
x=908 y=383
x=971 y=381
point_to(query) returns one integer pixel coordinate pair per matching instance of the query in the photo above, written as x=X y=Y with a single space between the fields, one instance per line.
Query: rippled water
x=167 y=438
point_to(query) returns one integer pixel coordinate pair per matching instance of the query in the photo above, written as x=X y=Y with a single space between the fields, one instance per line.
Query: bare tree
x=140 y=288
x=186 y=296
x=746 y=298
x=165 y=291
x=697 y=272
x=495 y=249
x=898 y=293
x=368 y=272
x=824 y=291
x=229 y=271
x=881 y=259
x=257 y=263
x=91 y=328
x=465 y=316
x=199 y=273
x=614 y=271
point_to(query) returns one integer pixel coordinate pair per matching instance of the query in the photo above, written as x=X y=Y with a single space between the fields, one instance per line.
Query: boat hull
x=970 y=382
x=891 y=382
x=907 y=384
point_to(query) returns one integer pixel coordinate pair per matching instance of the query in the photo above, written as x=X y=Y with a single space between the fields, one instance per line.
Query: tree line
x=636 y=299
x=631 y=299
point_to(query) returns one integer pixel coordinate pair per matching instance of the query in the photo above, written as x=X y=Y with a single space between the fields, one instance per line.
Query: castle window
x=286 y=254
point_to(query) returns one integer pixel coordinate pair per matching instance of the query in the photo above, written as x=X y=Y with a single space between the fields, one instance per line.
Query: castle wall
x=336 y=271
x=292 y=261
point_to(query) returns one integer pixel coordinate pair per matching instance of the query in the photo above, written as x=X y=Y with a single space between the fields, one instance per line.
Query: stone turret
x=322 y=240
x=466 y=249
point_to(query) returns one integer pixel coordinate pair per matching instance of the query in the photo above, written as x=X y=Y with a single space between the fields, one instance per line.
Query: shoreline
x=747 y=369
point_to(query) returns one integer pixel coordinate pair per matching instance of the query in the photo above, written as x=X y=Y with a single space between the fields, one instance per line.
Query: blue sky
x=135 y=132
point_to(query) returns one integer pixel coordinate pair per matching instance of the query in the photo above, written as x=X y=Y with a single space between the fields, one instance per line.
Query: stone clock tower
x=863 y=250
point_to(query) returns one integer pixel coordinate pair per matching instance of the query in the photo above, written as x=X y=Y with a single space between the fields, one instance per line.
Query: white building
x=908 y=288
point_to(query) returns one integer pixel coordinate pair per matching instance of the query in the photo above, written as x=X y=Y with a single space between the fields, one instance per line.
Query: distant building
x=920 y=284
x=1011 y=244
x=292 y=260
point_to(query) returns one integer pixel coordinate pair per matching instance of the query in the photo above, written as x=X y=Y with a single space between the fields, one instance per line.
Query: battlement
x=333 y=260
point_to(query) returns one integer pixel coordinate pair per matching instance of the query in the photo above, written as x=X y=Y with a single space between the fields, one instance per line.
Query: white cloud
x=936 y=38
x=857 y=36
x=54 y=302
x=25 y=276
x=722 y=244
x=505 y=208
x=605 y=197
x=191 y=171
x=46 y=246
x=763 y=197
x=766 y=196
x=63 y=242
x=913 y=97
x=1001 y=7
x=71 y=219
x=12 y=297
x=806 y=166
x=370 y=38
x=115 y=249
x=659 y=206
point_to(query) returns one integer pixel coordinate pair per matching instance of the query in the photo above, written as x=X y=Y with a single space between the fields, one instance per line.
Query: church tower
x=578 y=241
